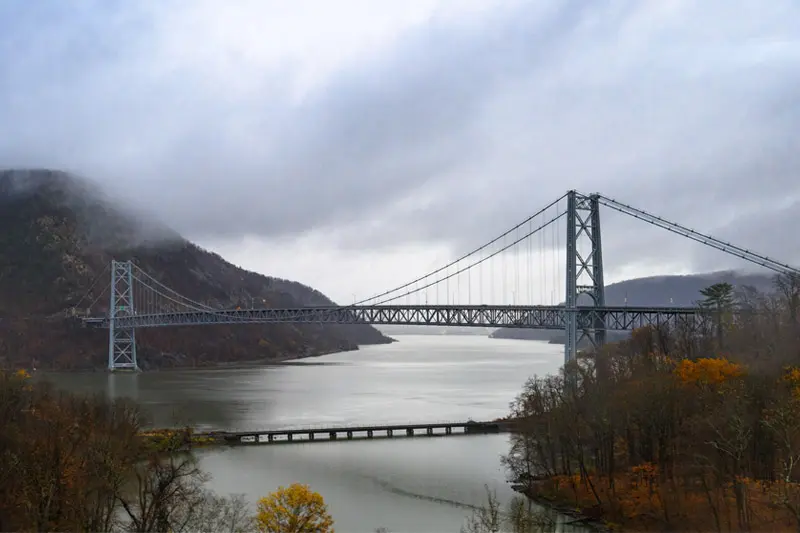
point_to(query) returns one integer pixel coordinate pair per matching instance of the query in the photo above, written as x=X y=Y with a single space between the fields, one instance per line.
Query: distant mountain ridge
x=654 y=291
x=59 y=234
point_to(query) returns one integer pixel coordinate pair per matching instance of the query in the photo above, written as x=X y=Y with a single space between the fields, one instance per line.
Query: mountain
x=59 y=234
x=678 y=291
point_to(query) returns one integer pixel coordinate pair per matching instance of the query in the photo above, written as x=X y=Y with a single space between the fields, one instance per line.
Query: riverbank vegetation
x=675 y=428
x=82 y=463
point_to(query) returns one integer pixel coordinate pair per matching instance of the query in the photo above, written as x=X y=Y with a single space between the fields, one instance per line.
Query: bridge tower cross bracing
x=584 y=271
x=121 y=340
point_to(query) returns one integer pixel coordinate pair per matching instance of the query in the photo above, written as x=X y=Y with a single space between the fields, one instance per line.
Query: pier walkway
x=298 y=435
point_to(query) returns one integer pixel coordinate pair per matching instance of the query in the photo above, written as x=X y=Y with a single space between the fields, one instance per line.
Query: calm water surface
x=413 y=485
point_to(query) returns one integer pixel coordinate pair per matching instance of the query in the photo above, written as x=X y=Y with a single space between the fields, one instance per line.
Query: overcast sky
x=354 y=144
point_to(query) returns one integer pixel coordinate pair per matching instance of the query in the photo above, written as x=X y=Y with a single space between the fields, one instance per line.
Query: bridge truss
x=138 y=300
x=483 y=316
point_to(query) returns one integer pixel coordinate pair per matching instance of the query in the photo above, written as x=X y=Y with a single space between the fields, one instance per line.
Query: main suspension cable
x=189 y=302
x=713 y=242
x=554 y=219
x=465 y=256
x=89 y=290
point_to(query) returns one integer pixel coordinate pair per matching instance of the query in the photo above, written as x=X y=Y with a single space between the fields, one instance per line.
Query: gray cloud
x=459 y=130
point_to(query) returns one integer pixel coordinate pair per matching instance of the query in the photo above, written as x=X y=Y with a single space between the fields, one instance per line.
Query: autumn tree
x=62 y=457
x=663 y=431
x=81 y=463
x=293 y=509
x=783 y=422
x=163 y=484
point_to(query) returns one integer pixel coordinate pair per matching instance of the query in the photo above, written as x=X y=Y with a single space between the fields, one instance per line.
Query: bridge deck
x=332 y=433
x=509 y=316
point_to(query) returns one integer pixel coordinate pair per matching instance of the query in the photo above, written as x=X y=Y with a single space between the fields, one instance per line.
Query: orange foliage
x=708 y=371
x=66 y=457
x=666 y=441
x=640 y=501
x=792 y=377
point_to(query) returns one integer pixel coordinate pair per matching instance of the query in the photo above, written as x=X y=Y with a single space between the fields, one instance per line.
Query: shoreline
x=292 y=360
x=578 y=516
x=212 y=440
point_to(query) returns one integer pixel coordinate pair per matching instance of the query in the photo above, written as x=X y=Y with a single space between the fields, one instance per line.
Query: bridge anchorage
x=138 y=300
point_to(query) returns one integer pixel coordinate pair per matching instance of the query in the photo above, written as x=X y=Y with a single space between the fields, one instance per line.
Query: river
x=404 y=485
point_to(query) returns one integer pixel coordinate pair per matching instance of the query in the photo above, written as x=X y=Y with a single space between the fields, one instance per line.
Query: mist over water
x=416 y=485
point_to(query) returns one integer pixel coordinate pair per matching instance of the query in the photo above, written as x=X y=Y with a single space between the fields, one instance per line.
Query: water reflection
x=422 y=485
x=122 y=386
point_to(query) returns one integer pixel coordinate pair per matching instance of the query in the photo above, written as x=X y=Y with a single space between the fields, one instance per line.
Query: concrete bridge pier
x=332 y=435
x=410 y=432
x=310 y=435
x=430 y=431
x=369 y=433
x=350 y=435
x=448 y=430
x=389 y=433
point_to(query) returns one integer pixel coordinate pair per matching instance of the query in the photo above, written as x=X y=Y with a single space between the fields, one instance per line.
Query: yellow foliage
x=293 y=509
x=792 y=376
x=22 y=374
x=708 y=371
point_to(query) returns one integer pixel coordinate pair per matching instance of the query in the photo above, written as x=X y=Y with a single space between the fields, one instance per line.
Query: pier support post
x=410 y=432
x=369 y=433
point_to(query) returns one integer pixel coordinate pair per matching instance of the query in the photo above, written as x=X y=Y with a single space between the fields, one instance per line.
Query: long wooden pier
x=323 y=434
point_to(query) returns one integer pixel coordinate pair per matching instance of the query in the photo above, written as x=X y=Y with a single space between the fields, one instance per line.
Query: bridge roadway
x=508 y=316
x=323 y=434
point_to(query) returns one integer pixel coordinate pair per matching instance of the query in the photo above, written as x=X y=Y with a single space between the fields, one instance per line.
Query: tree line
x=676 y=428
x=84 y=463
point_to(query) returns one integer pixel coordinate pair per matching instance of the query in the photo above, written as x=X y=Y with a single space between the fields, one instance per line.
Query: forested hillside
x=59 y=235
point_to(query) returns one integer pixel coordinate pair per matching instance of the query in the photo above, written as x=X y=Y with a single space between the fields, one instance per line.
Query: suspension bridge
x=519 y=263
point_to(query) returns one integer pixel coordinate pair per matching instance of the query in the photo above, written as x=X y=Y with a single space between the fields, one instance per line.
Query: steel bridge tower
x=121 y=340
x=584 y=272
